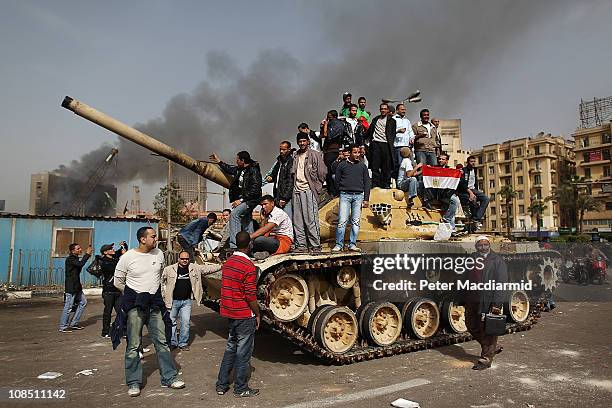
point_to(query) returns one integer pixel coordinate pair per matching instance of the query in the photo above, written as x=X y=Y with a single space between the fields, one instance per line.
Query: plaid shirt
x=238 y=287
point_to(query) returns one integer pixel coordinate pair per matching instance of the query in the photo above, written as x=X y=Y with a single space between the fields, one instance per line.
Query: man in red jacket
x=239 y=305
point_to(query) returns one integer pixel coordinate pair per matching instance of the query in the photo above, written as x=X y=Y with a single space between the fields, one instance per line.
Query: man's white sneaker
x=337 y=248
x=134 y=390
x=354 y=248
x=176 y=385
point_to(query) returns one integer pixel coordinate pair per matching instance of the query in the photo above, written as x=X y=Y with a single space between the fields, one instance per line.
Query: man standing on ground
x=353 y=182
x=309 y=172
x=479 y=303
x=193 y=233
x=138 y=276
x=282 y=178
x=181 y=286
x=239 y=305
x=73 y=288
x=403 y=135
x=425 y=140
x=244 y=192
x=276 y=235
x=468 y=191
x=381 y=135
x=110 y=294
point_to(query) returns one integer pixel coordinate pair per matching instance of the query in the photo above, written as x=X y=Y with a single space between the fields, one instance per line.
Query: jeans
x=237 y=354
x=349 y=202
x=68 y=301
x=111 y=300
x=241 y=219
x=479 y=206
x=157 y=332
x=409 y=184
x=449 y=215
x=268 y=244
x=426 y=158
x=181 y=309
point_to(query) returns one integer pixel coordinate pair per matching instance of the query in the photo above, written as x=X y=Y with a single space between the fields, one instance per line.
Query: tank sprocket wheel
x=382 y=323
x=517 y=309
x=288 y=297
x=422 y=318
x=454 y=317
x=336 y=329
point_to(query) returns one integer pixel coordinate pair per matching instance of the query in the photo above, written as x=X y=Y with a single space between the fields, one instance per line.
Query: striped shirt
x=238 y=287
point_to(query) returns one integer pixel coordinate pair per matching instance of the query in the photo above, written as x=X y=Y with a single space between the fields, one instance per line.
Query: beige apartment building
x=533 y=167
x=593 y=147
x=450 y=132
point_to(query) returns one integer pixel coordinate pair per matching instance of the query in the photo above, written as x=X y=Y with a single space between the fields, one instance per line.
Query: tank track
x=361 y=351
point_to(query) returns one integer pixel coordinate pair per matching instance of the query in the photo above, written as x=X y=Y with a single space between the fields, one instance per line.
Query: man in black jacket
x=381 y=135
x=334 y=133
x=244 y=192
x=110 y=294
x=469 y=193
x=281 y=176
x=73 y=288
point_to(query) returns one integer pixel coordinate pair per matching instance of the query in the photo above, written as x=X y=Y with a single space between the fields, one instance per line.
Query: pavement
x=563 y=361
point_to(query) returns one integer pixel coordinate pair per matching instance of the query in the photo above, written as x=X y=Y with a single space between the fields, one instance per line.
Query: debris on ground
x=404 y=403
x=49 y=375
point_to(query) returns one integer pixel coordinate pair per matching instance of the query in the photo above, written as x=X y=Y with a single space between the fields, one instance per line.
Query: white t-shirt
x=284 y=226
x=140 y=271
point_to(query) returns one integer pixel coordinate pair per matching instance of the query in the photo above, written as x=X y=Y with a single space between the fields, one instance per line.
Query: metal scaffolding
x=596 y=112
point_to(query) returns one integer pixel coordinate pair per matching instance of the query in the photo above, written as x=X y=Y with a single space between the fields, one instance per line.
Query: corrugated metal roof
x=74 y=217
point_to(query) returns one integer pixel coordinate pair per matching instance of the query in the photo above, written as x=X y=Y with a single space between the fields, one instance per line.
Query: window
x=519 y=166
x=480 y=159
x=519 y=180
x=491 y=170
x=608 y=207
x=507 y=155
x=490 y=157
x=536 y=150
x=537 y=164
x=606 y=138
x=63 y=237
x=586 y=157
x=494 y=210
x=507 y=181
x=605 y=154
x=587 y=173
x=491 y=183
x=520 y=195
x=541 y=223
x=492 y=197
x=494 y=225
x=539 y=193
x=507 y=168
x=606 y=171
x=521 y=209
x=522 y=224
x=537 y=179
x=585 y=142
x=519 y=152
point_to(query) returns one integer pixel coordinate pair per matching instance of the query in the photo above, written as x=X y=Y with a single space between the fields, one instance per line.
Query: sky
x=208 y=76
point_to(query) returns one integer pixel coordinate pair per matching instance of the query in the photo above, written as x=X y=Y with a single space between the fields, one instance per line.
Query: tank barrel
x=209 y=171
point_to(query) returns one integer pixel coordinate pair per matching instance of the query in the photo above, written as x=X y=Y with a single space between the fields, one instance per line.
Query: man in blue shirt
x=192 y=234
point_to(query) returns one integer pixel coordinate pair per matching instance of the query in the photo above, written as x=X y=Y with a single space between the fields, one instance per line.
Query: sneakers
x=337 y=248
x=260 y=256
x=65 y=330
x=354 y=248
x=221 y=391
x=249 y=392
x=480 y=366
x=315 y=250
x=105 y=336
x=134 y=390
x=77 y=327
x=184 y=348
x=175 y=385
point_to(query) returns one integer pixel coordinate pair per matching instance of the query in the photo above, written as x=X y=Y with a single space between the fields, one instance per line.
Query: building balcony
x=592 y=147
x=535 y=170
x=593 y=163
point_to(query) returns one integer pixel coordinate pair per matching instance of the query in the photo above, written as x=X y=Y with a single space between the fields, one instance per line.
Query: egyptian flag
x=440 y=182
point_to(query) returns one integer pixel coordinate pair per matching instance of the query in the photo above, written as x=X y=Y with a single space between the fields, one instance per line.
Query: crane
x=81 y=199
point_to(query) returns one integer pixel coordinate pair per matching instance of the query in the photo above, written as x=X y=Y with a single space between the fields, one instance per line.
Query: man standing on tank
x=381 y=135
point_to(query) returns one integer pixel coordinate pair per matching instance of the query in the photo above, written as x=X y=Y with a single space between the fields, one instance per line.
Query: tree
x=508 y=193
x=536 y=209
x=584 y=203
x=177 y=204
x=566 y=196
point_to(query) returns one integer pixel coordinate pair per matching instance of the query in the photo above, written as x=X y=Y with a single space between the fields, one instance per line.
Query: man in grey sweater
x=353 y=182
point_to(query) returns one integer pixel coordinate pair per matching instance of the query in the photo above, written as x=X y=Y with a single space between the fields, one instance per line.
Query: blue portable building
x=33 y=248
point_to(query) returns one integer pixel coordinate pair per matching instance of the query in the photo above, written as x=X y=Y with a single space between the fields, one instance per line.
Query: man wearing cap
x=346 y=104
x=110 y=294
x=479 y=303
x=244 y=192
x=309 y=172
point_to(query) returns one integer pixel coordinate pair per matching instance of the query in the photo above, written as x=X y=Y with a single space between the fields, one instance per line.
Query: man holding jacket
x=181 y=286
x=244 y=192
x=73 y=288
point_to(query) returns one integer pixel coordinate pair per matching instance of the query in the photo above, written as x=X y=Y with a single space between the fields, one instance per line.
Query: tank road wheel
x=454 y=317
x=422 y=318
x=382 y=323
x=288 y=297
x=518 y=308
x=346 y=277
x=336 y=329
x=314 y=317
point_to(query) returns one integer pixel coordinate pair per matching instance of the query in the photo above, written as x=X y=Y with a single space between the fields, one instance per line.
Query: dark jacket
x=463 y=183
x=389 y=132
x=494 y=269
x=338 y=134
x=353 y=177
x=108 y=272
x=73 y=269
x=283 y=189
x=250 y=189
x=193 y=231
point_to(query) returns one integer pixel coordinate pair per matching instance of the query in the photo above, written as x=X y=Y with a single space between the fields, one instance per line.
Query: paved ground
x=563 y=361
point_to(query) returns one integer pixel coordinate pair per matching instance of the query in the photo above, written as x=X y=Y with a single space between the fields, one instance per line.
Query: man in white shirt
x=138 y=277
x=403 y=135
x=406 y=177
x=276 y=235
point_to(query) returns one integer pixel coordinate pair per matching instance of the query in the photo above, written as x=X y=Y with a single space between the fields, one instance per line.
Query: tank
x=322 y=301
